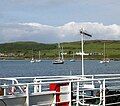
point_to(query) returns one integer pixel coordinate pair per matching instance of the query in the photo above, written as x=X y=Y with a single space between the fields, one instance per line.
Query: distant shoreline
x=27 y=50
x=67 y=59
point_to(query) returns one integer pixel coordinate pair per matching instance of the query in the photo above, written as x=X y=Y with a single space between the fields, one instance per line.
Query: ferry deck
x=75 y=90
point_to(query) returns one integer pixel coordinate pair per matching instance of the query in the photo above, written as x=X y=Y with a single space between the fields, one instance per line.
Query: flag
x=81 y=32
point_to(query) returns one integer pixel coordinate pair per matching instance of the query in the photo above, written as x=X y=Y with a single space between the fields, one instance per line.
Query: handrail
x=44 y=83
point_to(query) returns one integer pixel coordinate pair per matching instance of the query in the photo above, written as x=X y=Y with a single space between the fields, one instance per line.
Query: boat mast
x=104 y=51
x=59 y=49
x=32 y=53
x=73 y=55
x=62 y=54
x=39 y=55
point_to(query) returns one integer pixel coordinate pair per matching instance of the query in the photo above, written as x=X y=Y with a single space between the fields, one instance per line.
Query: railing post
x=92 y=81
x=101 y=98
x=5 y=90
x=77 y=94
x=27 y=95
x=40 y=86
x=13 y=87
x=104 y=92
x=70 y=93
x=35 y=86
x=54 y=100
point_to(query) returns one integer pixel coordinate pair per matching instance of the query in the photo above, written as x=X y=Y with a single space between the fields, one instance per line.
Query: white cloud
x=49 y=34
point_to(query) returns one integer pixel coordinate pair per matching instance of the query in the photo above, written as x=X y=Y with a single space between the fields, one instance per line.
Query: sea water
x=23 y=68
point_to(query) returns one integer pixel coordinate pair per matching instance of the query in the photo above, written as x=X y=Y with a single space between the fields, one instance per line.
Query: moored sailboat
x=39 y=59
x=105 y=60
x=60 y=59
x=32 y=60
x=73 y=59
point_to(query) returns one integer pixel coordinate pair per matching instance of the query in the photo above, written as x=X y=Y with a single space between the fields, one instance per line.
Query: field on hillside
x=50 y=51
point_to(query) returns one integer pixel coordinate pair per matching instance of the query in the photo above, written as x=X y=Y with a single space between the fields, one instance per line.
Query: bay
x=23 y=68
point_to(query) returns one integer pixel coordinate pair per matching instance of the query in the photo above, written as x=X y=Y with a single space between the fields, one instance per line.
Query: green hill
x=24 y=49
x=25 y=46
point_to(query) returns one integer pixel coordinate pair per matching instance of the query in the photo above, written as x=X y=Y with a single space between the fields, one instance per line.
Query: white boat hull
x=72 y=60
x=58 y=62
x=105 y=61
x=38 y=60
x=32 y=61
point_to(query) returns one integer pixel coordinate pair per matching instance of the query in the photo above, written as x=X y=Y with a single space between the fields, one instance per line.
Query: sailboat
x=60 y=59
x=105 y=60
x=32 y=60
x=39 y=60
x=73 y=59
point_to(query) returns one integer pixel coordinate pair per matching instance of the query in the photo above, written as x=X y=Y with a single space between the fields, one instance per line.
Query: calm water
x=25 y=68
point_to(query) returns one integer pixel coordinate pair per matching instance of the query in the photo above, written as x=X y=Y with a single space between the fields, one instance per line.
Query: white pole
x=35 y=86
x=40 y=89
x=77 y=98
x=104 y=92
x=82 y=55
x=27 y=95
x=70 y=94
x=5 y=90
x=62 y=54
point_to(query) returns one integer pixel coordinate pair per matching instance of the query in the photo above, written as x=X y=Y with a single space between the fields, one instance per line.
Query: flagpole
x=82 y=33
x=82 y=55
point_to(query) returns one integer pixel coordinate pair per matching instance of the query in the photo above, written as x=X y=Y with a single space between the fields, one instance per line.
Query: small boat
x=105 y=60
x=32 y=60
x=39 y=60
x=73 y=59
x=60 y=59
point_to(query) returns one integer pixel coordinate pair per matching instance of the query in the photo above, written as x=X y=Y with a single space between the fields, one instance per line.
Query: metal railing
x=90 y=90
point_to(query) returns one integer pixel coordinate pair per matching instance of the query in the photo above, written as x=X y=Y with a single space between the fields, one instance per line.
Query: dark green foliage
x=27 y=49
x=25 y=46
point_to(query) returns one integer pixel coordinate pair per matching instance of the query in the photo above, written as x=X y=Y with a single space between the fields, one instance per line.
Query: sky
x=52 y=21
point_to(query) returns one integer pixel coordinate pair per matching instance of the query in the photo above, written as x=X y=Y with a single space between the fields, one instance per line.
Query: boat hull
x=107 y=61
x=72 y=60
x=58 y=62
x=38 y=61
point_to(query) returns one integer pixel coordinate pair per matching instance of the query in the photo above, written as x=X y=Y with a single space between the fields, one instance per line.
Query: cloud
x=38 y=2
x=50 y=34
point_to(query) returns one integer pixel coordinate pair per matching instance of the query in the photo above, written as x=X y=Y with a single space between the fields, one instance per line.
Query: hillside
x=24 y=49
x=25 y=46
